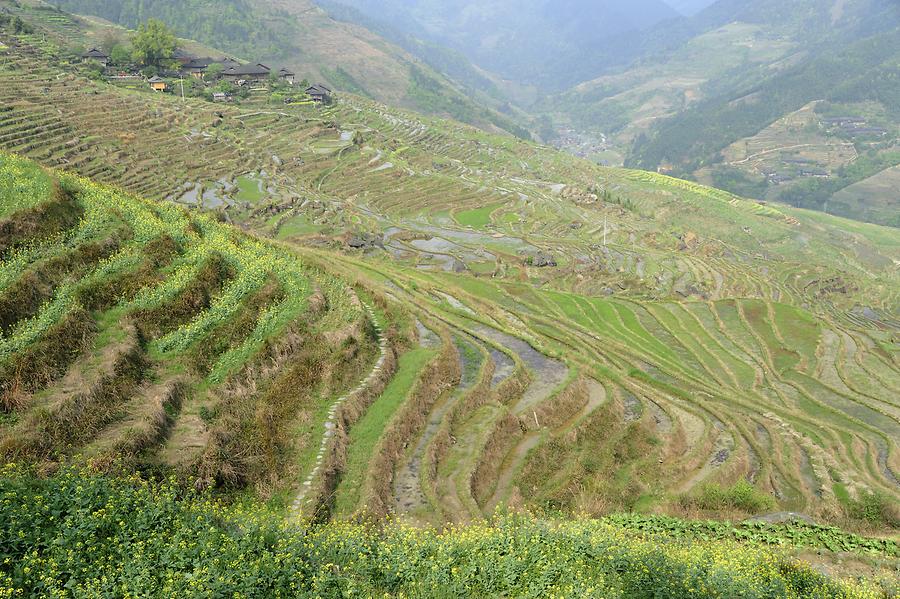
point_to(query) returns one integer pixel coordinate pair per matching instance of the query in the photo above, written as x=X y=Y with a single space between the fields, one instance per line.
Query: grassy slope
x=137 y=304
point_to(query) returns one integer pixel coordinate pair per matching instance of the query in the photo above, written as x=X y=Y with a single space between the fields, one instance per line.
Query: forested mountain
x=865 y=71
x=298 y=34
x=740 y=103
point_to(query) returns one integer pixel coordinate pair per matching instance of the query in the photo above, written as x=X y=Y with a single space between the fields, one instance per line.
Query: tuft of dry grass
x=46 y=360
x=196 y=297
x=78 y=412
x=156 y=254
x=24 y=297
x=61 y=211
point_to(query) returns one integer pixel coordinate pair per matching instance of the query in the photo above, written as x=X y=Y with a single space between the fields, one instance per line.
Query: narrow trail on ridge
x=329 y=425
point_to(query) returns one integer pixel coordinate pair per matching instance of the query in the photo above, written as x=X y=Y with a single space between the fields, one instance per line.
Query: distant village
x=795 y=167
x=217 y=79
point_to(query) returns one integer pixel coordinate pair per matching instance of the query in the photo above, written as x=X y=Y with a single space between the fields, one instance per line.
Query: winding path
x=330 y=424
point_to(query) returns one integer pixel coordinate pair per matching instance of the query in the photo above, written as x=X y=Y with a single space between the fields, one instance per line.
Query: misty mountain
x=529 y=41
x=689 y=7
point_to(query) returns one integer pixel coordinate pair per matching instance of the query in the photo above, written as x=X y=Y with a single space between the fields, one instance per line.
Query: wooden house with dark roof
x=197 y=67
x=95 y=55
x=319 y=93
x=247 y=72
x=286 y=74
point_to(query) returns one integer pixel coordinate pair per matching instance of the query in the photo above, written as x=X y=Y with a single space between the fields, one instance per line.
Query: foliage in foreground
x=78 y=534
x=795 y=533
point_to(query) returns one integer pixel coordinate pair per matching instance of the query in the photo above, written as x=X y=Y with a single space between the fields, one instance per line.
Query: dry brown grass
x=78 y=412
x=504 y=437
x=61 y=211
x=559 y=409
x=45 y=360
x=144 y=428
x=578 y=471
x=443 y=439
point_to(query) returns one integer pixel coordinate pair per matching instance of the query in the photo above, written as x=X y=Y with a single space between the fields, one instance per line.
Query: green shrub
x=874 y=508
x=741 y=496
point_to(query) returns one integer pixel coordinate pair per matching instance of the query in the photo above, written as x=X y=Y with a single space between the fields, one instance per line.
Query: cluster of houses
x=232 y=70
x=228 y=69
x=853 y=126
x=796 y=167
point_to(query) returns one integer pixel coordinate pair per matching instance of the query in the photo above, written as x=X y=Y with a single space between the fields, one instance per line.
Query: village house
x=198 y=67
x=287 y=75
x=779 y=178
x=95 y=55
x=195 y=67
x=247 y=72
x=877 y=131
x=814 y=172
x=157 y=84
x=319 y=93
x=842 y=121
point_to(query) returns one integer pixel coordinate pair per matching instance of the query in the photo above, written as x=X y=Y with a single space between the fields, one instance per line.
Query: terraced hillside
x=297 y=34
x=135 y=335
x=631 y=404
x=559 y=336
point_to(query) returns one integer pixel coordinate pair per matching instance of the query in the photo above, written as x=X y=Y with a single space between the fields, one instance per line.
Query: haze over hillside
x=689 y=7
x=298 y=34
x=738 y=94
x=524 y=40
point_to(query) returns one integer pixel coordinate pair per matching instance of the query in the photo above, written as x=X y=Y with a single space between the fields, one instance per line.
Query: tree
x=154 y=44
x=214 y=71
x=120 y=55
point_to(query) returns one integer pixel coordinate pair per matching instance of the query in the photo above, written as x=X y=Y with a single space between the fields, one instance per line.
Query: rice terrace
x=257 y=341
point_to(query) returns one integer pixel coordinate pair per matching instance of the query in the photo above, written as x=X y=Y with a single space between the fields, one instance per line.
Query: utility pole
x=182 y=89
